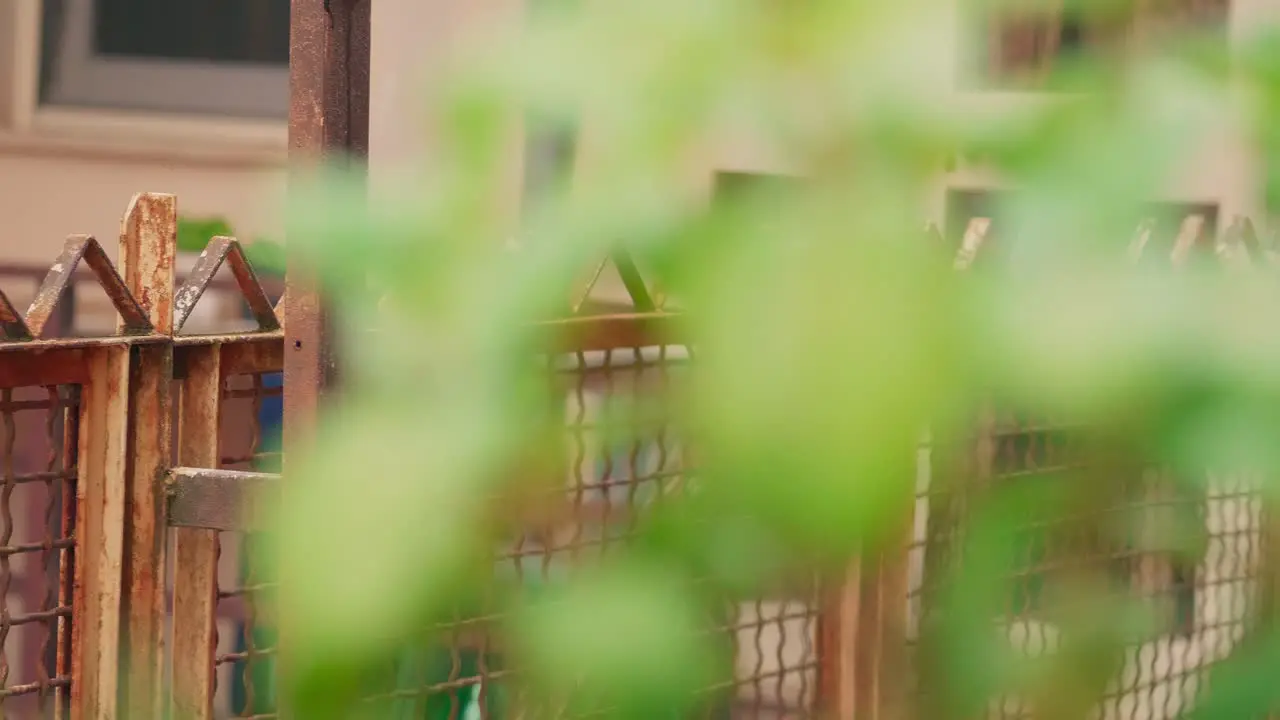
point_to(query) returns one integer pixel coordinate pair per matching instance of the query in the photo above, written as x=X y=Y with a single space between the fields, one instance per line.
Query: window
x=213 y=57
x=1023 y=50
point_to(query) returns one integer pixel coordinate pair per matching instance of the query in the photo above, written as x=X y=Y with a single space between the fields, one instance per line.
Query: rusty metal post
x=328 y=122
x=863 y=636
x=100 y=519
x=837 y=646
x=148 y=244
x=195 y=582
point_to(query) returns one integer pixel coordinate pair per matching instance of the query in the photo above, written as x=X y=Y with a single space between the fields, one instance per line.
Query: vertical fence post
x=100 y=511
x=329 y=54
x=148 y=243
x=837 y=646
x=195 y=563
x=864 y=634
x=884 y=629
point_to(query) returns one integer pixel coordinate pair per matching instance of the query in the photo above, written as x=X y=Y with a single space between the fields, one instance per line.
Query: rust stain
x=148 y=245
x=252 y=290
x=55 y=283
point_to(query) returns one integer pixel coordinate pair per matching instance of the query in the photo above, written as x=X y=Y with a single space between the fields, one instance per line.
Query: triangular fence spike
x=975 y=235
x=632 y=280
x=1249 y=240
x=220 y=249
x=280 y=306
x=1189 y=236
x=131 y=313
x=86 y=248
x=11 y=323
x=251 y=289
x=1141 y=239
x=579 y=298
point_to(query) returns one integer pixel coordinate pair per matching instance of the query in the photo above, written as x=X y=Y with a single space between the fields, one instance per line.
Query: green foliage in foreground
x=829 y=335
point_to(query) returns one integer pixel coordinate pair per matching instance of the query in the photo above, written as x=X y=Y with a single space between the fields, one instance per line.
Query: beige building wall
x=66 y=170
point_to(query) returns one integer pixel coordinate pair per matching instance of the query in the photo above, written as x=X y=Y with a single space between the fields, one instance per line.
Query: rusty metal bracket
x=219 y=499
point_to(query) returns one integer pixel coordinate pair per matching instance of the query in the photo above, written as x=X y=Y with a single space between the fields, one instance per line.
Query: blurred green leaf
x=630 y=641
x=828 y=334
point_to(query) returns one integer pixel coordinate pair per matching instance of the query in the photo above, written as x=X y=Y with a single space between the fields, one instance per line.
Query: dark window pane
x=249 y=31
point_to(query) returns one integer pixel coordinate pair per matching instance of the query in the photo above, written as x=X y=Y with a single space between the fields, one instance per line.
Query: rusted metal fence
x=1203 y=607
x=128 y=504
x=86 y=447
x=132 y=465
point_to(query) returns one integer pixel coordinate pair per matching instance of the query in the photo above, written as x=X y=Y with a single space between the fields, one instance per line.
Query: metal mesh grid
x=1202 y=609
x=37 y=518
x=622 y=455
x=245 y=654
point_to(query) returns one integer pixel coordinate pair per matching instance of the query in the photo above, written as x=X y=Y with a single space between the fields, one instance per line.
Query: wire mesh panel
x=626 y=457
x=622 y=457
x=1120 y=533
x=245 y=654
x=775 y=657
x=37 y=517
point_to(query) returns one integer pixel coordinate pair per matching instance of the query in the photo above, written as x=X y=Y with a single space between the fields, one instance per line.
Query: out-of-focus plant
x=829 y=335
x=194 y=234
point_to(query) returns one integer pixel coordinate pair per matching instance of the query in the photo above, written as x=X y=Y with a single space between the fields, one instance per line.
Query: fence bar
x=246 y=354
x=67 y=366
x=219 y=499
x=148 y=244
x=882 y=634
x=837 y=647
x=100 y=513
x=610 y=332
x=195 y=582
x=329 y=52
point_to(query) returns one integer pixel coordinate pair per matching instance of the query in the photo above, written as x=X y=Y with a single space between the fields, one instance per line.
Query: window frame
x=85 y=78
x=985 y=41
